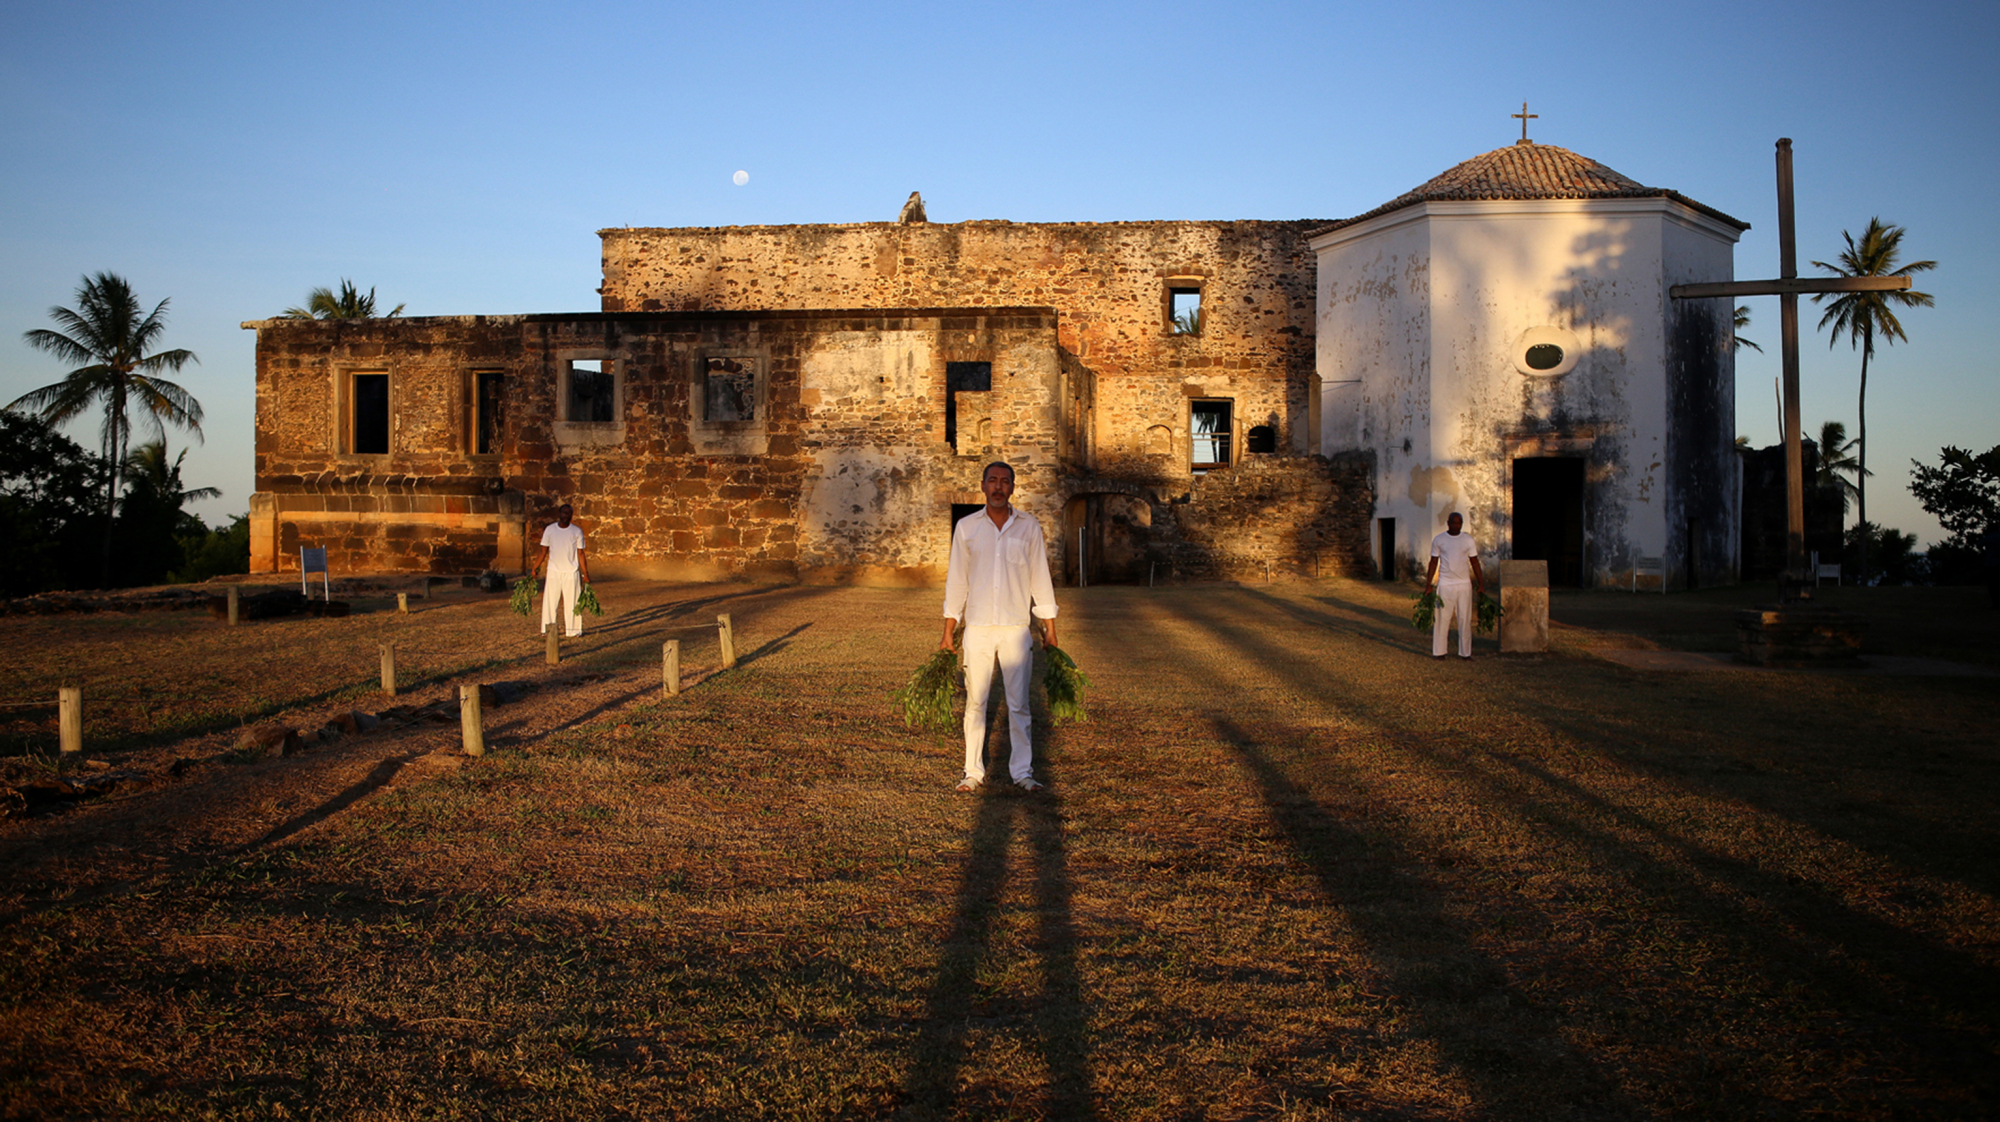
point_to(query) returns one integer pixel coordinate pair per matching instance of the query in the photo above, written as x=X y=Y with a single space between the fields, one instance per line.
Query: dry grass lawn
x=1290 y=868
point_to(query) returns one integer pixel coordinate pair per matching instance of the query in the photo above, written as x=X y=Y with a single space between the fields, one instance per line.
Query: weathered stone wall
x=1300 y=516
x=846 y=472
x=426 y=505
x=843 y=473
x=1109 y=282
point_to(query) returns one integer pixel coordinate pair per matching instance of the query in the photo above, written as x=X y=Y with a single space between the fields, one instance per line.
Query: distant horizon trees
x=108 y=337
x=1963 y=493
x=49 y=517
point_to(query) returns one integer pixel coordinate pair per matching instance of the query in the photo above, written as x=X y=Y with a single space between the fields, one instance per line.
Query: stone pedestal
x=1802 y=634
x=1524 y=606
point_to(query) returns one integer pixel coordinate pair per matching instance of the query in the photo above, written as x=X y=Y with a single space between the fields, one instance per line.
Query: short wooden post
x=670 y=668
x=69 y=705
x=728 y=641
x=403 y=602
x=389 y=669
x=235 y=605
x=553 y=638
x=470 y=729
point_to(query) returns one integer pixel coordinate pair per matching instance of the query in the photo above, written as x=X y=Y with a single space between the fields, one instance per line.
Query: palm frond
x=348 y=303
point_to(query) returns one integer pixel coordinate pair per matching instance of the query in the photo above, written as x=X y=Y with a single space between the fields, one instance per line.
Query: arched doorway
x=1105 y=536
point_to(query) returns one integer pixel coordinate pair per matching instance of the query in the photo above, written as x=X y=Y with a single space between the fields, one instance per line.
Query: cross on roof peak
x=1525 y=117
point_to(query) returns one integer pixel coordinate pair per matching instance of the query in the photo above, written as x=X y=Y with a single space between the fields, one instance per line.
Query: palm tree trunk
x=114 y=478
x=1861 y=444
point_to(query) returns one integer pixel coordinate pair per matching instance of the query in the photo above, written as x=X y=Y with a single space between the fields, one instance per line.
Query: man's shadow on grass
x=960 y=1005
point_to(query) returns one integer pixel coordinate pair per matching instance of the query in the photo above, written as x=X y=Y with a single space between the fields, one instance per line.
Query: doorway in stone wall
x=960 y=510
x=1548 y=515
x=1105 y=539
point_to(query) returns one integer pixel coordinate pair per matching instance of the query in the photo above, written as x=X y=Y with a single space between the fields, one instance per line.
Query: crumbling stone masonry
x=716 y=420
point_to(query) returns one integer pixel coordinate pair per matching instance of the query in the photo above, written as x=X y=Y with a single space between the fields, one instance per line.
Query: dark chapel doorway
x=1548 y=515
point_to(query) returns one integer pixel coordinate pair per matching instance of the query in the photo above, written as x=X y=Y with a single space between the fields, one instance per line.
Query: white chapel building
x=1502 y=340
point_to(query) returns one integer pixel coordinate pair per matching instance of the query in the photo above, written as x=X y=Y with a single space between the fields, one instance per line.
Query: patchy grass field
x=1290 y=868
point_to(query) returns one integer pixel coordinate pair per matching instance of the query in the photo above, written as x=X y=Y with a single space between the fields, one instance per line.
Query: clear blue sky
x=460 y=157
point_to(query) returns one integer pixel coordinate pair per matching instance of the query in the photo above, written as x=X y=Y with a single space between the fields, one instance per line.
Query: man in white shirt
x=562 y=552
x=998 y=577
x=1455 y=568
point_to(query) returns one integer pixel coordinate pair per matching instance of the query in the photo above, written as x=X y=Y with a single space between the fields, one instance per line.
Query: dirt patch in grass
x=1290 y=868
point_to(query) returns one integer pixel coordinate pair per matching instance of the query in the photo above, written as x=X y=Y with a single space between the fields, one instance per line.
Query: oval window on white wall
x=1546 y=352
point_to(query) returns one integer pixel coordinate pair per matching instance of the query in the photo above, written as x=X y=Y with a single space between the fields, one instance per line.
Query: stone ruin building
x=1181 y=400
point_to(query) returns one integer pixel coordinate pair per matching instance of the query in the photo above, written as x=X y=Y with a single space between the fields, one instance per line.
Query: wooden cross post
x=1787 y=288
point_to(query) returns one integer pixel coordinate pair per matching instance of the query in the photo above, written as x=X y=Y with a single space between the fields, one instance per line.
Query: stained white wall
x=1420 y=313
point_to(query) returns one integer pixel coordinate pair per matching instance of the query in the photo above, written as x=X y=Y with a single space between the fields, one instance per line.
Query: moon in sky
x=740 y=178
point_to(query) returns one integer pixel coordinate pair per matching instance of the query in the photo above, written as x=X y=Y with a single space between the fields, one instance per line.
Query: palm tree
x=1864 y=315
x=1742 y=320
x=153 y=520
x=109 y=337
x=149 y=470
x=348 y=303
x=1837 y=462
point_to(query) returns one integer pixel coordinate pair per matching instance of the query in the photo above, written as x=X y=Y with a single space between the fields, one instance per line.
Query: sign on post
x=312 y=559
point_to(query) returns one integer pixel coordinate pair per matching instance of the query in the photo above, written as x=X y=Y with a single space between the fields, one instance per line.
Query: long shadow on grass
x=1487 y=1031
x=1909 y=839
x=1850 y=969
x=1839 y=949
x=652 y=620
x=381 y=774
x=1058 y=1016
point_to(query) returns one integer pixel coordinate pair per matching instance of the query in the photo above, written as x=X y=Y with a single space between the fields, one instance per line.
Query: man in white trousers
x=562 y=552
x=1455 y=568
x=998 y=578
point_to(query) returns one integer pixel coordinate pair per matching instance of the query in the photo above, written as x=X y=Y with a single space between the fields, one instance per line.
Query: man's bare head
x=1454 y=523
x=564 y=513
x=997 y=484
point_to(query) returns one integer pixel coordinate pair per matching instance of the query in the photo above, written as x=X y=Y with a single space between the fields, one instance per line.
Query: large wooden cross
x=1787 y=287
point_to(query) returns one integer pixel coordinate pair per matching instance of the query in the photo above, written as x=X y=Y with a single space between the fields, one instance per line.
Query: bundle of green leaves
x=1064 y=684
x=926 y=699
x=586 y=601
x=1425 y=613
x=1489 y=612
x=525 y=591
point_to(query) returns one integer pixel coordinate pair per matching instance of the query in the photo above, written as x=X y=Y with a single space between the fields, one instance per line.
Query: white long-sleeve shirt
x=998 y=575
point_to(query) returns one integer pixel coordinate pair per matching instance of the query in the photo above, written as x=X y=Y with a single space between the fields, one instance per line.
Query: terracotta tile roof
x=1527 y=170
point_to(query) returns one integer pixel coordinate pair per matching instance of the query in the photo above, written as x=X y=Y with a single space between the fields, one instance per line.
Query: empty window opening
x=1261 y=438
x=371 y=415
x=962 y=377
x=1184 y=311
x=486 y=411
x=1208 y=434
x=732 y=390
x=1545 y=356
x=592 y=392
